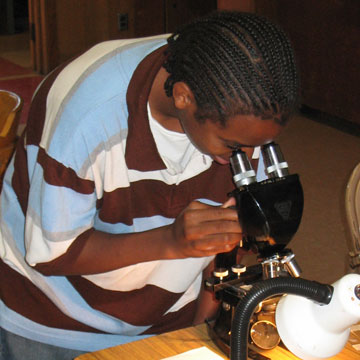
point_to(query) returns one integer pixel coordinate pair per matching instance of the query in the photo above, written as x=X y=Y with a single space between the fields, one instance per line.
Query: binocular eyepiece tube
x=244 y=174
x=275 y=164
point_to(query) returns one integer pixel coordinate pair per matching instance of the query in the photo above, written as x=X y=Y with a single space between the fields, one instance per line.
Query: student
x=115 y=203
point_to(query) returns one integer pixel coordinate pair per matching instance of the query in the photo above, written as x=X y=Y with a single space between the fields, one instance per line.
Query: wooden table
x=177 y=342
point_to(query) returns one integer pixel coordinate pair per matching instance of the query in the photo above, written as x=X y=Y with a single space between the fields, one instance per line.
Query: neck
x=161 y=106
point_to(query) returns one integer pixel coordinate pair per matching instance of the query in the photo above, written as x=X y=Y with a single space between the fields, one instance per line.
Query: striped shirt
x=88 y=161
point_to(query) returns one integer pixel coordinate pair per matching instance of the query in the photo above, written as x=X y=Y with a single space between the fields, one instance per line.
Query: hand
x=204 y=230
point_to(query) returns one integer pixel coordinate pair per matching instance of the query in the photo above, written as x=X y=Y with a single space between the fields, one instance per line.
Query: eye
x=234 y=147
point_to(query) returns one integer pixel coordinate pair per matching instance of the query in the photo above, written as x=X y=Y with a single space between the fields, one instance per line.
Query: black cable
x=261 y=290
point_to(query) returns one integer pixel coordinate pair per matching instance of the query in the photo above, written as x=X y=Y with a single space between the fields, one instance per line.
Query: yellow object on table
x=10 y=107
x=177 y=342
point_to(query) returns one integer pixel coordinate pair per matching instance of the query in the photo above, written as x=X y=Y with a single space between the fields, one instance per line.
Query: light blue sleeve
x=261 y=174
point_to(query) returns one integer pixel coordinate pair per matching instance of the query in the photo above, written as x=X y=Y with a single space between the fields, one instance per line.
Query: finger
x=230 y=202
x=217 y=243
x=197 y=205
x=221 y=227
x=215 y=214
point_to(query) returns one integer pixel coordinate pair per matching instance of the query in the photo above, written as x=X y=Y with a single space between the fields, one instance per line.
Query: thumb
x=230 y=202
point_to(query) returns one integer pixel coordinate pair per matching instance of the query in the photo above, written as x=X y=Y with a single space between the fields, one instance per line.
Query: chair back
x=10 y=108
x=352 y=207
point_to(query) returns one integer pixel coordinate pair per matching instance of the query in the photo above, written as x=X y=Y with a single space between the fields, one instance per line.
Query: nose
x=249 y=152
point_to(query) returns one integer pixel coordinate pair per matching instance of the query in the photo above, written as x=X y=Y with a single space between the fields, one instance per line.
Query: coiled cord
x=261 y=290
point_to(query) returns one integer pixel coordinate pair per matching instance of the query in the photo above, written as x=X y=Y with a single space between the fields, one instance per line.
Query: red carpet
x=22 y=83
x=7 y=68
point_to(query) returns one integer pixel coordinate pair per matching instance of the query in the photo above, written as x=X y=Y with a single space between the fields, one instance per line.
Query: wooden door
x=63 y=29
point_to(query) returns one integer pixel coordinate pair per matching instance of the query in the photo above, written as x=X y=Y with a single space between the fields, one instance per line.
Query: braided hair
x=235 y=64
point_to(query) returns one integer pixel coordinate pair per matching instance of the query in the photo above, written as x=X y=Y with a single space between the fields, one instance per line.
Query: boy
x=110 y=209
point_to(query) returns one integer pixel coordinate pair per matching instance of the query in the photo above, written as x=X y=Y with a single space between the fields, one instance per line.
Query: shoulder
x=95 y=83
x=104 y=54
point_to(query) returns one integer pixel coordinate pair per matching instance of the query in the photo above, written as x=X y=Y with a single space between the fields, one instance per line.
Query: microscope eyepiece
x=275 y=164
x=243 y=173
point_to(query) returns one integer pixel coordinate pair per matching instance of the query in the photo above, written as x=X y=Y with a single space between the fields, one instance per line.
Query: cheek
x=210 y=144
x=200 y=138
x=202 y=143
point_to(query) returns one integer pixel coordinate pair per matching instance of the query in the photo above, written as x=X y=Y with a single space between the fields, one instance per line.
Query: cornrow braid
x=235 y=64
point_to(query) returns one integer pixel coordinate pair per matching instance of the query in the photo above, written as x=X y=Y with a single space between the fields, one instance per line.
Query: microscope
x=249 y=320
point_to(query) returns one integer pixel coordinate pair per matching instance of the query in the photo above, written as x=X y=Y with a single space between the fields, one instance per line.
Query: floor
x=323 y=156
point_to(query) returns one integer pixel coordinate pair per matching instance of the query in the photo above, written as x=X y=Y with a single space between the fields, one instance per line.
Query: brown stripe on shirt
x=131 y=306
x=23 y=297
x=55 y=173
x=146 y=198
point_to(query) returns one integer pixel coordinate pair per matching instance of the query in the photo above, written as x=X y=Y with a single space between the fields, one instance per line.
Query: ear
x=183 y=96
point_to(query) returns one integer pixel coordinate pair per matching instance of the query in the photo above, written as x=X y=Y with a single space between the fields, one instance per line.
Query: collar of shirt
x=176 y=150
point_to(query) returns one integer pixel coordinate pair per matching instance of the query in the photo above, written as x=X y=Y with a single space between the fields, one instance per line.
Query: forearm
x=199 y=231
x=98 y=252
